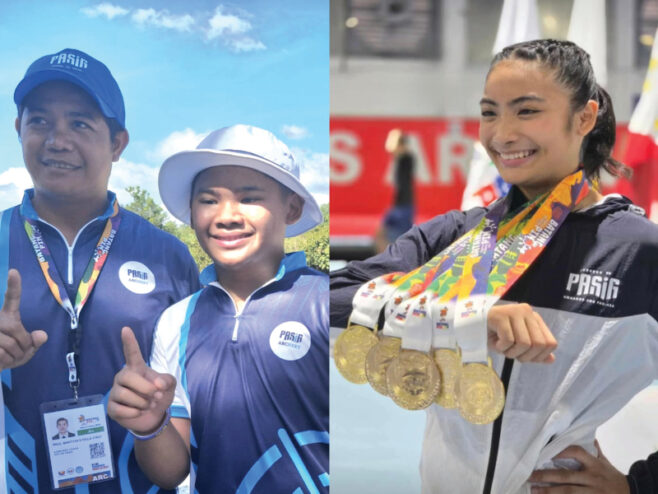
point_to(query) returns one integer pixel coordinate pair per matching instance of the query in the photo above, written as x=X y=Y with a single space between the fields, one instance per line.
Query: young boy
x=249 y=352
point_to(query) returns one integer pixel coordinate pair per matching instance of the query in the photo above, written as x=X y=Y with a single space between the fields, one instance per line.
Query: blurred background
x=418 y=67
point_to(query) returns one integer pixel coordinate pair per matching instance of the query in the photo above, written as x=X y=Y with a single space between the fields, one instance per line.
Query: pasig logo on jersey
x=290 y=340
x=593 y=286
x=136 y=277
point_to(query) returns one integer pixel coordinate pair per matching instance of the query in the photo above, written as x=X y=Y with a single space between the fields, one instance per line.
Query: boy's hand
x=517 y=331
x=140 y=396
x=17 y=346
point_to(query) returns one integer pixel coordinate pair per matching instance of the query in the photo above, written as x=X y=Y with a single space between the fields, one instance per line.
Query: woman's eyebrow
x=515 y=101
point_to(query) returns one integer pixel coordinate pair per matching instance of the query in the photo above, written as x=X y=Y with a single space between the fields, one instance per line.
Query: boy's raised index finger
x=131 y=351
x=12 y=300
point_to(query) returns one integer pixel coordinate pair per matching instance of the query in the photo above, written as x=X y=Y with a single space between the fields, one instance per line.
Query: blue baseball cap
x=82 y=70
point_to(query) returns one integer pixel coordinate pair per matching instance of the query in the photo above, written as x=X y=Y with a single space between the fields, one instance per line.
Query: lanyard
x=87 y=283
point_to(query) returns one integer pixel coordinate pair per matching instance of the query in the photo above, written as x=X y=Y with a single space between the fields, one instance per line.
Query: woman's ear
x=586 y=118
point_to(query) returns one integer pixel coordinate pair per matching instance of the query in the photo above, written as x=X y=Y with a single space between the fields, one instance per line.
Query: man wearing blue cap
x=88 y=267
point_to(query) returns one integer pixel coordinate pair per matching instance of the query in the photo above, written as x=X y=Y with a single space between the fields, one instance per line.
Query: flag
x=484 y=185
x=641 y=152
x=587 y=28
x=519 y=21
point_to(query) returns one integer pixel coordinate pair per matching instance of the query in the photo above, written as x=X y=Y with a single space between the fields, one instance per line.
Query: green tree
x=144 y=205
x=314 y=243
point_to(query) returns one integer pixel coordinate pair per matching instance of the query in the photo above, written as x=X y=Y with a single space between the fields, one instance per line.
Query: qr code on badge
x=96 y=450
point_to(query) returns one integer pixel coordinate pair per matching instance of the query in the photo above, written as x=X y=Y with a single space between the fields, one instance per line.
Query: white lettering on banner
x=345 y=163
x=454 y=151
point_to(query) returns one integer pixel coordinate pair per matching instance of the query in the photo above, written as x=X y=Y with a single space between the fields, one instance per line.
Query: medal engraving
x=377 y=361
x=350 y=350
x=480 y=393
x=413 y=380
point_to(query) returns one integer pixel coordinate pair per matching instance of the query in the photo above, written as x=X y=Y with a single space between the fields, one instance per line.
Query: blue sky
x=185 y=68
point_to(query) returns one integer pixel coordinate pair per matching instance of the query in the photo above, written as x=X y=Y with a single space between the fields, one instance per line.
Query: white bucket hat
x=237 y=145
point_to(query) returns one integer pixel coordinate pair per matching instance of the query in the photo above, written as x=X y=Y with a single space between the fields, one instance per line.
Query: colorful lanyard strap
x=87 y=283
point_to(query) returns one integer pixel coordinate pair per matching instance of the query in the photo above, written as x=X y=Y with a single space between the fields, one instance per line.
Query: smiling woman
x=571 y=332
x=528 y=127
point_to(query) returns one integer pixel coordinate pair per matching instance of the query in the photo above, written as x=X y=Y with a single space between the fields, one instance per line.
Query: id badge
x=79 y=450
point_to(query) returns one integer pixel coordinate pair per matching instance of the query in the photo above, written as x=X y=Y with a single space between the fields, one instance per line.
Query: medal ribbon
x=444 y=289
x=482 y=284
x=464 y=270
x=408 y=320
x=87 y=283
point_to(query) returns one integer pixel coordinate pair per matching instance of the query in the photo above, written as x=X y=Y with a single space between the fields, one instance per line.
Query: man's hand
x=517 y=331
x=17 y=346
x=597 y=475
x=140 y=396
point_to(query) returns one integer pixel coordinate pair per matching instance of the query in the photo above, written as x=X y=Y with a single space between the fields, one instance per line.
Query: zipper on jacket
x=70 y=248
x=495 y=434
x=238 y=314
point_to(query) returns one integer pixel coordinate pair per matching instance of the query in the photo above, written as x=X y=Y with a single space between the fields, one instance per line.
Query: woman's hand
x=518 y=332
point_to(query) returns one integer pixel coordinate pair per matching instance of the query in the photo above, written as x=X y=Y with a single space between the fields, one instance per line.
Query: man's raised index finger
x=131 y=351
x=13 y=294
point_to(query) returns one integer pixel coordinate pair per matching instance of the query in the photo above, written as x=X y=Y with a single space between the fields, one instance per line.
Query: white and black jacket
x=596 y=287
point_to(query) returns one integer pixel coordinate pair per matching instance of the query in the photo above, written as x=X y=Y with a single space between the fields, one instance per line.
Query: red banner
x=361 y=169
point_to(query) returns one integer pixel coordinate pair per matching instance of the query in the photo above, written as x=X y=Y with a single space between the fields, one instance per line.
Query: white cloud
x=125 y=173
x=14 y=181
x=12 y=184
x=245 y=44
x=222 y=24
x=294 y=132
x=162 y=18
x=314 y=173
x=232 y=29
x=104 y=9
x=179 y=140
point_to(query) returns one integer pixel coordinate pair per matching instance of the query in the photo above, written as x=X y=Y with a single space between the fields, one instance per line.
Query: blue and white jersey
x=254 y=383
x=146 y=271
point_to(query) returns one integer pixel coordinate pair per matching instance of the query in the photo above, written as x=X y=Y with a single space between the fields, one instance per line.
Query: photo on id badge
x=78 y=442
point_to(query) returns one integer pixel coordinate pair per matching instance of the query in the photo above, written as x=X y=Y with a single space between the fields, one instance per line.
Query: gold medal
x=480 y=393
x=413 y=380
x=377 y=361
x=350 y=350
x=449 y=364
